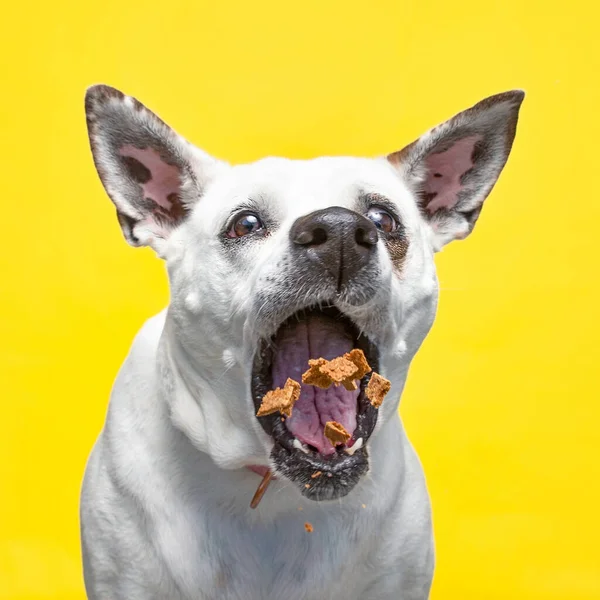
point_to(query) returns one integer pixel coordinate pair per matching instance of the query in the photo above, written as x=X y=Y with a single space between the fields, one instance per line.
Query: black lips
x=338 y=474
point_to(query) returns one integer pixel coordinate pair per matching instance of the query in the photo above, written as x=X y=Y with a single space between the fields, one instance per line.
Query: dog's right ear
x=152 y=174
x=453 y=167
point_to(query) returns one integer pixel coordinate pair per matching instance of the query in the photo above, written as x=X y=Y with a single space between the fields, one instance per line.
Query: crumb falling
x=308 y=527
x=316 y=474
x=377 y=388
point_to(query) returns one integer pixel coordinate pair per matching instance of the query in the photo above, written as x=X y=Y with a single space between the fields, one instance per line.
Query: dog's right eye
x=244 y=224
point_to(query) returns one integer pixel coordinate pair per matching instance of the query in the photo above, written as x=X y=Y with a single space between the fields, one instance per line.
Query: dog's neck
x=216 y=416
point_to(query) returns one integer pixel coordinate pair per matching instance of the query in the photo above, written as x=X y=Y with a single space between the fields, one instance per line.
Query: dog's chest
x=273 y=562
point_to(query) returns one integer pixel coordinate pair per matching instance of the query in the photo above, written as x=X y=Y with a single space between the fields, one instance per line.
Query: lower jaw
x=320 y=478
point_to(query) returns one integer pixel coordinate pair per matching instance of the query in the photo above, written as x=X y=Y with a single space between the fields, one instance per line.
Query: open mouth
x=301 y=451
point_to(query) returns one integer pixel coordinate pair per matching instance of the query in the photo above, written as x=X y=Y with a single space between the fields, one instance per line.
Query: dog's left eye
x=245 y=224
x=382 y=219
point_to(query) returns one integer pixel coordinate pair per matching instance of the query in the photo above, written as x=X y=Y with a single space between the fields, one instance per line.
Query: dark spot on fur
x=471 y=216
x=437 y=175
x=127 y=224
x=397 y=249
x=164 y=211
x=480 y=151
x=425 y=198
x=148 y=204
x=137 y=170
x=177 y=209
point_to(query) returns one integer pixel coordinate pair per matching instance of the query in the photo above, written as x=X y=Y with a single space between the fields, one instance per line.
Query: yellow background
x=503 y=400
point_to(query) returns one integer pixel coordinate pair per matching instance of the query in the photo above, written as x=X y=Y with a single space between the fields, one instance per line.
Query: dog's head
x=277 y=262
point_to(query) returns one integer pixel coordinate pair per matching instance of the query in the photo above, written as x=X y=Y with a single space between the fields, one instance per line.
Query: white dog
x=271 y=264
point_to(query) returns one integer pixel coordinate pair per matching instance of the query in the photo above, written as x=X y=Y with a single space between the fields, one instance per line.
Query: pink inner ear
x=444 y=171
x=160 y=181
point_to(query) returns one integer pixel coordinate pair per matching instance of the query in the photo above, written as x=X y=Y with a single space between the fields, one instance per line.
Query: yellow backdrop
x=503 y=400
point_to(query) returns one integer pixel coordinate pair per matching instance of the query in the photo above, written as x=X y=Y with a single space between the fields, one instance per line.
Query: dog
x=271 y=264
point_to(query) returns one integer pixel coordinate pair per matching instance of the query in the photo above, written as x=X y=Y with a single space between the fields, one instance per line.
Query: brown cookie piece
x=357 y=356
x=280 y=399
x=359 y=360
x=309 y=528
x=344 y=370
x=336 y=433
x=339 y=369
x=377 y=389
x=314 y=376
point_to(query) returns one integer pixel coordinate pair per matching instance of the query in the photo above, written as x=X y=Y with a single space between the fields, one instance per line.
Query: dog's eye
x=382 y=219
x=245 y=224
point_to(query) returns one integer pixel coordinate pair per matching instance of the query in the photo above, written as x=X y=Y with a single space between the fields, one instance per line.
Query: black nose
x=340 y=240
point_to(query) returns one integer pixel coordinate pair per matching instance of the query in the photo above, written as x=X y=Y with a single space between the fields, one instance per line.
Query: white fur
x=165 y=501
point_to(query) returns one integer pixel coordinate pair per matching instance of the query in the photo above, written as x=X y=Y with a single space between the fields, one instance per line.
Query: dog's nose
x=340 y=240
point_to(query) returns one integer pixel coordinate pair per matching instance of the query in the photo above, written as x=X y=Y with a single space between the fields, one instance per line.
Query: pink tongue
x=314 y=337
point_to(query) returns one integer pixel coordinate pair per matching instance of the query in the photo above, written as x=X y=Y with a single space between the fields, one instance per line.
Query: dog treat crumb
x=359 y=359
x=377 y=388
x=261 y=489
x=308 y=527
x=336 y=433
x=280 y=399
x=314 y=376
x=339 y=369
x=364 y=506
x=349 y=384
x=344 y=370
x=307 y=485
x=316 y=474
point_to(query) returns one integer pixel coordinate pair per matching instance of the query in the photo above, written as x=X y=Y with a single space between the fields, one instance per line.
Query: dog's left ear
x=153 y=175
x=453 y=167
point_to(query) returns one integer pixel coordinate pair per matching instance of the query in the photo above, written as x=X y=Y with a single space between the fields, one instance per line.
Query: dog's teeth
x=298 y=444
x=357 y=446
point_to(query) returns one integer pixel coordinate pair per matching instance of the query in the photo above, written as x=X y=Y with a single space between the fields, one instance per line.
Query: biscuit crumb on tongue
x=314 y=376
x=280 y=399
x=342 y=370
x=377 y=388
x=336 y=433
